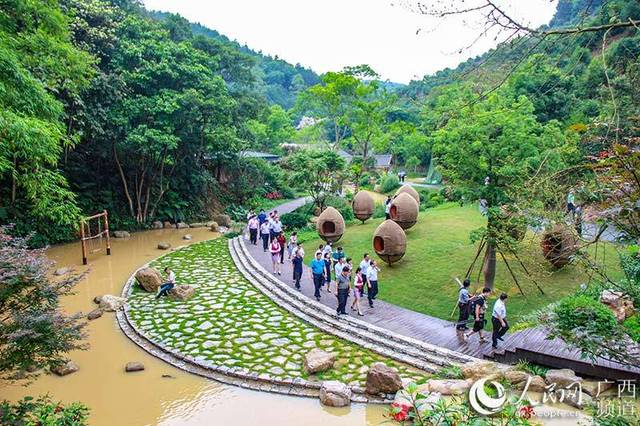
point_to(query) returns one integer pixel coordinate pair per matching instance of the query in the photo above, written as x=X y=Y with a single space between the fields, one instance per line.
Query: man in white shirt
x=276 y=227
x=339 y=267
x=372 y=282
x=168 y=285
x=364 y=268
x=499 y=319
x=328 y=248
x=387 y=208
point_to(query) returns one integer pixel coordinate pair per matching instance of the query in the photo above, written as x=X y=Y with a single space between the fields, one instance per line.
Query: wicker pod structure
x=362 y=206
x=558 y=244
x=389 y=242
x=408 y=189
x=404 y=210
x=330 y=225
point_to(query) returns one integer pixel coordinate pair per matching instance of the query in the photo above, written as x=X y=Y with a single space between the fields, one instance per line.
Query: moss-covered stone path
x=230 y=323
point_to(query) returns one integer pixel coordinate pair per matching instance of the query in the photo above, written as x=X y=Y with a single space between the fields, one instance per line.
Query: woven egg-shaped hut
x=389 y=242
x=558 y=245
x=362 y=206
x=404 y=210
x=408 y=189
x=330 y=225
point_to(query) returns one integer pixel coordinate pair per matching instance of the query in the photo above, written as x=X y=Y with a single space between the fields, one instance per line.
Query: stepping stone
x=205 y=325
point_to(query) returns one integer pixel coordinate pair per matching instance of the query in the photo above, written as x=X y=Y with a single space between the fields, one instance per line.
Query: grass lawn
x=439 y=249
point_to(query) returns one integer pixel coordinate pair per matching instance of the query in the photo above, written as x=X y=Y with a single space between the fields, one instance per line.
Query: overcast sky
x=327 y=35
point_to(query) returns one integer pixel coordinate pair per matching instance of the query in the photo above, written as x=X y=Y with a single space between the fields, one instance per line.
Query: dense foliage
x=34 y=332
x=43 y=412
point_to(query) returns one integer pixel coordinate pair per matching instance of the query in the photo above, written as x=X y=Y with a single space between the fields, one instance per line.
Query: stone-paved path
x=230 y=323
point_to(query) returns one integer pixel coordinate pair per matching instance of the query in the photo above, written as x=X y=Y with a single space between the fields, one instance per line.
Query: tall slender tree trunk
x=123 y=178
x=489 y=265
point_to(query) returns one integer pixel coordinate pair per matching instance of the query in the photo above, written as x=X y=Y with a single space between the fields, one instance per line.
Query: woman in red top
x=274 y=249
x=282 y=240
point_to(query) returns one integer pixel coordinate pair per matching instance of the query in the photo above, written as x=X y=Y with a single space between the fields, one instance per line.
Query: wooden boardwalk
x=530 y=344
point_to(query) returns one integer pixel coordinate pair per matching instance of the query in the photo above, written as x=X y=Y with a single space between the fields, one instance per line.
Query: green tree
x=319 y=173
x=412 y=162
x=491 y=150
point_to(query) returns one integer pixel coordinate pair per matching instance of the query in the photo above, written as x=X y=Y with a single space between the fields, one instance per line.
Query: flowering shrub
x=42 y=411
x=273 y=195
x=419 y=409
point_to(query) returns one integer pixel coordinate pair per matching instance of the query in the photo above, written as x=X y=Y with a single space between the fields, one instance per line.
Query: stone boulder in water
x=382 y=379
x=335 y=394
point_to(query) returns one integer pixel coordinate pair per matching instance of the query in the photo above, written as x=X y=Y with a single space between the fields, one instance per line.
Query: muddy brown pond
x=148 y=398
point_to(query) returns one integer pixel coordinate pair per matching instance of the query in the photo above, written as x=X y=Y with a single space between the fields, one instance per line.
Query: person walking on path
x=463 y=306
x=262 y=217
x=327 y=269
x=293 y=242
x=337 y=255
x=372 y=282
x=282 y=240
x=358 y=285
x=478 y=307
x=364 y=268
x=499 y=320
x=300 y=250
x=253 y=225
x=264 y=234
x=168 y=285
x=577 y=219
x=337 y=270
x=275 y=227
x=297 y=269
x=342 y=291
x=274 y=249
x=328 y=248
x=317 y=274
x=387 y=208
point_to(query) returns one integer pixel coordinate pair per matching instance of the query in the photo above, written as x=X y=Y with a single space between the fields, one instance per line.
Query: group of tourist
x=477 y=305
x=327 y=266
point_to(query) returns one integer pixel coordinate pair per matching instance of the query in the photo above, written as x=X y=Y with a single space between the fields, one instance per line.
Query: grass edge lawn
x=439 y=249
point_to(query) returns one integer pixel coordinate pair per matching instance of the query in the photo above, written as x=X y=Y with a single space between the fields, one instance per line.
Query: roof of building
x=258 y=154
x=383 y=160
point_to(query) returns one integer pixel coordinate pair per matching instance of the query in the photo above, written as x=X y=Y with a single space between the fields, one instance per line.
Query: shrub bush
x=378 y=211
x=342 y=205
x=584 y=313
x=43 y=411
x=632 y=327
x=630 y=262
x=389 y=183
x=295 y=220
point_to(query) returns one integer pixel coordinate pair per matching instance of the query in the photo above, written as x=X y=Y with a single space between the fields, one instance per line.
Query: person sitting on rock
x=169 y=284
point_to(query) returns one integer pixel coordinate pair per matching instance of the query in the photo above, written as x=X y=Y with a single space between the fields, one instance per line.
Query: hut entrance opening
x=393 y=212
x=328 y=228
x=378 y=244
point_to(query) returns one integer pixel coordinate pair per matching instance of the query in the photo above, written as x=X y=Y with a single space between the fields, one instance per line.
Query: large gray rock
x=382 y=379
x=480 y=370
x=197 y=225
x=187 y=237
x=612 y=298
x=167 y=224
x=575 y=398
x=164 y=246
x=121 y=234
x=149 y=279
x=213 y=226
x=562 y=377
x=317 y=360
x=157 y=225
x=516 y=376
x=181 y=292
x=595 y=389
x=95 y=314
x=62 y=271
x=66 y=368
x=181 y=225
x=110 y=303
x=222 y=220
x=449 y=386
x=133 y=366
x=335 y=394
x=97 y=300
x=537 y=384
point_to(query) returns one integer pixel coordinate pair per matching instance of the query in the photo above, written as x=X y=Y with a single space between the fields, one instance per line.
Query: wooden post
x=84 y=248
x=106 y=230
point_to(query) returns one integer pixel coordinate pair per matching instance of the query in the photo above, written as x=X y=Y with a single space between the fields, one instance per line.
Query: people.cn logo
x=482 y=402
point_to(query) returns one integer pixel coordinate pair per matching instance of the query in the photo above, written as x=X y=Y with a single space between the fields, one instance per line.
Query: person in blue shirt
x=317 y=272
x=262 y=216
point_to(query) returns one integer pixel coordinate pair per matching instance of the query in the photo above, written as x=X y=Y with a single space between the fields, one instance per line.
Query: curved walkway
x=392 y=320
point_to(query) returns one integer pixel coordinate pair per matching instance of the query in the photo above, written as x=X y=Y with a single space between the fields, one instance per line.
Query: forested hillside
x=277 y=80
x=102 y=107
